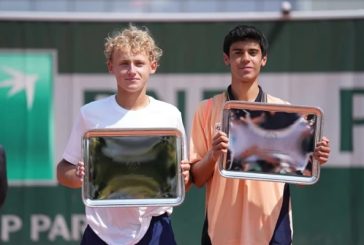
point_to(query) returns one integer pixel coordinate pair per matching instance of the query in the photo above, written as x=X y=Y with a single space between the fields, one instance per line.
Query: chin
x=130 y=87
x=246 y=80
x=132 y=91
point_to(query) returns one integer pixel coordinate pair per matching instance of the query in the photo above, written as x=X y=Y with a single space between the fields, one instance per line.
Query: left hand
x=322 y=150
x=185 y=165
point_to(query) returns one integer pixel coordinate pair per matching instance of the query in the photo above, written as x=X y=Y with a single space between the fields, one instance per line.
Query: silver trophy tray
x=271 y=142
x=133 y=167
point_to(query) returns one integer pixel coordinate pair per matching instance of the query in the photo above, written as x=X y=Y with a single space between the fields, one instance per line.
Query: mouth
x=132 y=79
x=246 y=68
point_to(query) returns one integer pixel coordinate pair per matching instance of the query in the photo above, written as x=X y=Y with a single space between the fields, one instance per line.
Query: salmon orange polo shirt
x=239 y=212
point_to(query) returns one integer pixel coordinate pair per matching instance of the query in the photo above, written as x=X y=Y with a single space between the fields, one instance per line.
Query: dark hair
x=242 y=33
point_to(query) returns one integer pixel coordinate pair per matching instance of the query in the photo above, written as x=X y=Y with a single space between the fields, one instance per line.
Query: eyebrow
x=249 y=49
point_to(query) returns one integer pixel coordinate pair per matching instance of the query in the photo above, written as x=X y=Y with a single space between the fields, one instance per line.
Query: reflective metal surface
x=134 y=167
x=271 y=142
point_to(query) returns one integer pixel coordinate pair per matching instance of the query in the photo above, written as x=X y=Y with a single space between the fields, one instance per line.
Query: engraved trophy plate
x=133 y=167
x=271 y=142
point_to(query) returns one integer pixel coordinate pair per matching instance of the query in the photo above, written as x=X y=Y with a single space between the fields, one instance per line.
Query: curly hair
x=136 y=40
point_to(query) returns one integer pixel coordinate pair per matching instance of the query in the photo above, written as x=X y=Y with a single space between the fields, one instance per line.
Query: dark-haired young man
x=242 y=212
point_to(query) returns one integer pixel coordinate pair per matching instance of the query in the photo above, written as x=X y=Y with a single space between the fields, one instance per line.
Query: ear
x=264 y=60
x=226 y=59
x=109 y=66
x=153 y=67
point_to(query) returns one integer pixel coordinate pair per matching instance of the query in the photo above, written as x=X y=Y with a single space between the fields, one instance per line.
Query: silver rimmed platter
x=271 y=142
x=133 y=167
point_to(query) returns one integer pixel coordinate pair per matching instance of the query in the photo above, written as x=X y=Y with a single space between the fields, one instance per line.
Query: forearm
x=66 y=175
x=203 y=170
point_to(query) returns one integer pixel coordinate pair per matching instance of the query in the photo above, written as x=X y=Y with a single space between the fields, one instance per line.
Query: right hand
x=220 y=144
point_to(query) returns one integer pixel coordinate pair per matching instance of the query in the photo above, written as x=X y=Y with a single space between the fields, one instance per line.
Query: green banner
x=48 y=69
x=26 y=130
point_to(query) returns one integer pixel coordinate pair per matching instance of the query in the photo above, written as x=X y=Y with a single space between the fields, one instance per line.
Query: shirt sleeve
x=73 y=150
x=200 y=138
x=181 y=128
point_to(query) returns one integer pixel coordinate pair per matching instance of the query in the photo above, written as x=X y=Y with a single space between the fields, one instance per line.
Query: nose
x=131 y=69
x=245 y=57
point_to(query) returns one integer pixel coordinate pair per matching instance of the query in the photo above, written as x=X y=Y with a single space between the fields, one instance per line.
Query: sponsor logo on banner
x=26 y=79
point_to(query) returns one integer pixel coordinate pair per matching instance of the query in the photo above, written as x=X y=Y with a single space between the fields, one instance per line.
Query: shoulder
x=210 y=103
x=98 y=104
x=275 y=100
x=161 y=105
